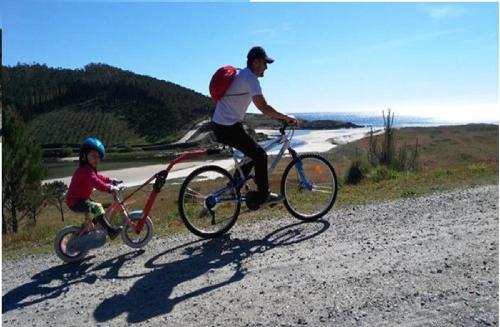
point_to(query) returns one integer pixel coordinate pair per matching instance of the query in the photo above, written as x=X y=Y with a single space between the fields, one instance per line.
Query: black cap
x=258 y=52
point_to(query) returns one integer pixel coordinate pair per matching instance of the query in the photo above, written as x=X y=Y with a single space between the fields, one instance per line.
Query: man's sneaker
x=113 y=232
x=273 y=199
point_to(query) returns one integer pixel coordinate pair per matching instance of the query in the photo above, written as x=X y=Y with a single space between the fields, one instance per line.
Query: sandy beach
x=320 y=140
x=303 y=141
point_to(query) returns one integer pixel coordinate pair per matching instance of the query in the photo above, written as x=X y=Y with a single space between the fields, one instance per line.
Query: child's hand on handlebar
x=114 y=188
x=115 y=181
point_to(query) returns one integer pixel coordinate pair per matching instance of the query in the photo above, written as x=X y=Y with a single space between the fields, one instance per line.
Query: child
x=85 y=179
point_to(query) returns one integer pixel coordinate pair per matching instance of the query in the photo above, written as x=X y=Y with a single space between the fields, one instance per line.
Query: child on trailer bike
x=85 y=180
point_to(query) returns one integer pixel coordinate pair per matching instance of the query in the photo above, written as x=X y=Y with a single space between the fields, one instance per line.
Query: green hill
x=63 y=106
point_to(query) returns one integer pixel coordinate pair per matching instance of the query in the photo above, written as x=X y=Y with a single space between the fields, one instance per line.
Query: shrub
x=440 y=172
x=55 y=193
x=357 y=170
x=477 y=168
x=355 y=173
x=382 y=173
x=407 y=159
x=408 y=193
x=385 y=154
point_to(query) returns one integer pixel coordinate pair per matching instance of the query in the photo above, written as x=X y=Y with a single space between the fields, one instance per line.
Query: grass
x=401 y=185
x=450 y=157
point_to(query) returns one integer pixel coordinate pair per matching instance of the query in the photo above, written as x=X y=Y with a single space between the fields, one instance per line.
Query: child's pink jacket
x=84 y=181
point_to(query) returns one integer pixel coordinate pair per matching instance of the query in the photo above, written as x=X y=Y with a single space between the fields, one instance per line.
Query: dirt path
x=417 y=262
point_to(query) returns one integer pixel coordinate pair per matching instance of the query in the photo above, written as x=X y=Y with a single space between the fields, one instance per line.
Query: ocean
x=377 y=121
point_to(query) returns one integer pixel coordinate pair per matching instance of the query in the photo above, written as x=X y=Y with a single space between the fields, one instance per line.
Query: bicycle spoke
x=309 y=187
x=208 y=204
x=323 y=188
x=203 y=213
x=195 y=194
x=321 y=191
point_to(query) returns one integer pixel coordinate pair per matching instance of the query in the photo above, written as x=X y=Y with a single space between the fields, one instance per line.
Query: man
x=230 y=112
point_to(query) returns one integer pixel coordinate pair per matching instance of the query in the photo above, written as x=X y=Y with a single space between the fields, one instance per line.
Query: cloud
x=395 y=43
x=442 y=11
x=268 y=32
x=388 y=45
x=488 y=39
x=273 y=32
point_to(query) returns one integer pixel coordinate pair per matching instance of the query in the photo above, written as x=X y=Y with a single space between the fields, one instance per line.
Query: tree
x=36 y=200
x=61 y=104
x=22 y=170
x=55 y=193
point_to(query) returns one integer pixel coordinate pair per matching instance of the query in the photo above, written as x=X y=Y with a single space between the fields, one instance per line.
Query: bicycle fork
x=299 y=166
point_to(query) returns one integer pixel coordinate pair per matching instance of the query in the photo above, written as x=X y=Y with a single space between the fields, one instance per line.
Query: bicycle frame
x=283 y=139
x=118 y=205
x=159 y=178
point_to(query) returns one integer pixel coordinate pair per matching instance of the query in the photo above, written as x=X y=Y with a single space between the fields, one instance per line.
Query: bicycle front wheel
x=309 y=187
x=209 y=204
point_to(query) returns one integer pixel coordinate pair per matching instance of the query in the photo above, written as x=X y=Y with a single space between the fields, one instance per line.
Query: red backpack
x=221 y=81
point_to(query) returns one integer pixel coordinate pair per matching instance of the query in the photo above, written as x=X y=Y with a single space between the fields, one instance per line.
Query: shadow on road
x=150 y=296
x=41 y=288
x=55 y=281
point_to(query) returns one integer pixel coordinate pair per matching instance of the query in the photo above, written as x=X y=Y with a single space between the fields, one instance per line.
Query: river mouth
x=135 y=172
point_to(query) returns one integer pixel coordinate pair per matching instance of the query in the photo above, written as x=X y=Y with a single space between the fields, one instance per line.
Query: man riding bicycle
x=230 y=112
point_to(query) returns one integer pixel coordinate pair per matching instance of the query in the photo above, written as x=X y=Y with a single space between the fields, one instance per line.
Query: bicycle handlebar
x=284 y=126
x=121 y=187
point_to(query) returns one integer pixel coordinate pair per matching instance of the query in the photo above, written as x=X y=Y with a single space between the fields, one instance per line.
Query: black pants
x=235 y=136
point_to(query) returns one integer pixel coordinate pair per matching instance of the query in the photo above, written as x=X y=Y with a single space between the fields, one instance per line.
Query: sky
x=428 y=59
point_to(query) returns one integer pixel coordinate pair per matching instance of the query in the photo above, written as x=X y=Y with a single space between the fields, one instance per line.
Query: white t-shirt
x=234 y=104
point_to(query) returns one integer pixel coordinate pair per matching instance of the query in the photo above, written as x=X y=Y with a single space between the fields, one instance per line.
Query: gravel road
x=427 y=261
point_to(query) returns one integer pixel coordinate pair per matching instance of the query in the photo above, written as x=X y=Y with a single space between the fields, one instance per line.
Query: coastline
x=303 y=141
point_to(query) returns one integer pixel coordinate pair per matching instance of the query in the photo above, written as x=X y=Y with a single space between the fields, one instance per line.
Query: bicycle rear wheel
x=209 y=204
x=309 y=187
x=62 y=245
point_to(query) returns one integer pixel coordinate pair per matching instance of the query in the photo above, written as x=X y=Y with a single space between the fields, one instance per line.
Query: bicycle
x=210 y=197
x=73 y=243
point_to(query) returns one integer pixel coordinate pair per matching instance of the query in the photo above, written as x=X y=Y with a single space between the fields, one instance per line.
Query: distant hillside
x=63 y=106
x=261 y=121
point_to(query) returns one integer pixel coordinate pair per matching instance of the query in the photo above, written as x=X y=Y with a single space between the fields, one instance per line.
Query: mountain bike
x=73 y=243
x=210 y=197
